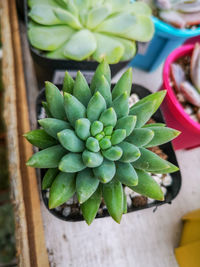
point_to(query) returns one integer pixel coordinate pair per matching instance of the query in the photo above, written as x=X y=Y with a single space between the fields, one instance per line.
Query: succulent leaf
x=68 y=83
x=121 y=106
x=140 y=136
x=82 y=128
x=108 y=130
x=108 y=117
x=40 y=138
x=90 y=207
x=104 y=89
x=49 y=177
x=71 y=162
x=44 y=14
x=95 y=107
x=92 y=144
x=147 y=186
x=127 y=123
x=130 y=152
x=92 y=159
x=106 y=171
x=70 y=141
x=96 y=128
x=118 y=136
x=114 y=199
x=125 y=204
x=65 y=17
x=113 y=153
x=86 y=185
x=46 y=108
x=62 y=189
x=97 y=15
x=126 y=174
x=105 y=143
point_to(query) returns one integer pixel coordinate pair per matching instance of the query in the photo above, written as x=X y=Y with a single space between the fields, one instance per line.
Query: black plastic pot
x=172 y=190
x=51 y=65
x=20 y=8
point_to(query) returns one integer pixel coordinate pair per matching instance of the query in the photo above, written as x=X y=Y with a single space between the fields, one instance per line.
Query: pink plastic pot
x=173 y=111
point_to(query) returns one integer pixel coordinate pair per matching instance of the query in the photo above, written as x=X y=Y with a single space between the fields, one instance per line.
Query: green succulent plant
x=85 y=29
x=92 y=143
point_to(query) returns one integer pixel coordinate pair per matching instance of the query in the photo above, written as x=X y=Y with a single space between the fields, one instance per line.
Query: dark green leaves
x=95 y=107
x=72 y=162
x=106 y=171
x=126 y=174
x=70 y=141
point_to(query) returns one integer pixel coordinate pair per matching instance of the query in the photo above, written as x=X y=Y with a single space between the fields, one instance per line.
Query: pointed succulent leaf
x=125 y=206
x=113 y=153
x=121 y=106
x=127 y=123
x=74 y=108
x=92 y=159
x=92 y=144
x=123 y=85
x=104 y=89
x=62 y=189
x=97 y=15
x=46 y=108
x=140 y=136
x=66 y=17
x=49 y=177
x=130 y=152
x=70 y=141
x=86 y=185
x=47 y=158
x=147 y=186
x=171 y=168
x=149 y=125
x=44 y=14
x=99 y=136
x=72 y=162
x=68 y=83
x=81 y=89
x=81 y=45
x=95 y=107
x=112 y=52
x=105 y=143
x=40 y=138
x=118 y=136
x=91 y=206
x=143 y=112
x=150 y=161
x=108 y=117
x=55 y=101
x=130 y=48
x=82 y=128
x=53 y=126
x=161 y=136
x=114 y=199
x=96 y=128
x=126 y=174
x=103 y=69
x=106 y=171
x=108 y=130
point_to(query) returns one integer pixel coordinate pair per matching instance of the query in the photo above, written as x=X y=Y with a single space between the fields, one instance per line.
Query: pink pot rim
x=177 y=53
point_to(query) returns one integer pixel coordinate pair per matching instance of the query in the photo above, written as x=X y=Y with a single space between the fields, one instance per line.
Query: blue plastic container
x=166 y=39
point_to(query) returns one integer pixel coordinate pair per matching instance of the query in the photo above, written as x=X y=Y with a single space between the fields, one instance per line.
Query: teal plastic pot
x=166 y=38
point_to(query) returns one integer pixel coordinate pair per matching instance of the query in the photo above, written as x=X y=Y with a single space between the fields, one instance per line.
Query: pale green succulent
x=93 y=143
x=84 y=29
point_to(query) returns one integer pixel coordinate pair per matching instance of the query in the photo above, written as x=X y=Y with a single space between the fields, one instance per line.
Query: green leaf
x=68 y=83
x=46 y=108
x=47 y=158
x=92 y=144
x=127 y=123
x=113 y=153
x=162 y=135
x=118 y=136
x=108 y=117
x=90 y=207
x=81 y=45
x=62 y=189
x=147 y=186
x=92 y=159
x=105 y=143
x=55 y=36
x=130 y=48
x=44 y=14
x=140 y=8
x=112 y=52
x=81 y=89
x=106 y=171
x=140 y=137
x=70 y=141
x=95 y=107
x=73 y=108
x=86 y=185
x=82 y=128
x=114 y=199
x=55 y=101
x=150 y=161
x=53 y=126
x=103 y=87
x=130 y=152
x=40 y=138
x=108 y=130
x=32 y=3
x=96 y=128
x=149 y=125
x=171 y=168
x=65 y=17
x=49 y=177
x=125 y=204
x=126 y=174
x=121 y=106
x=72 y=162
x=58 y=53
x=124 y=84
x=97 y=15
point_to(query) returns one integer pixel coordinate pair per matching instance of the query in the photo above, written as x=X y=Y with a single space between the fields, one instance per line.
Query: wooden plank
x=33 y=251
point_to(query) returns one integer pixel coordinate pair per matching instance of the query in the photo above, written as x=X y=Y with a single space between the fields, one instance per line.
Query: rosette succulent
x=89 y=30
x=92 y=143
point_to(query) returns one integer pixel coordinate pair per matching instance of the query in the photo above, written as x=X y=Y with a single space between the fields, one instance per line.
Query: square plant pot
x=173 y=111
x=171 y=191
x=165 y=40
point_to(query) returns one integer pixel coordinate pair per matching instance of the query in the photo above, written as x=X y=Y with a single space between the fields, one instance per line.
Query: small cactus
x=92 y=143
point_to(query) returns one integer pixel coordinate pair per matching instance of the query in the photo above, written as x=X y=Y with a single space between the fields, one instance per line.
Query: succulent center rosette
x=89 y=30
x=93 y=143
